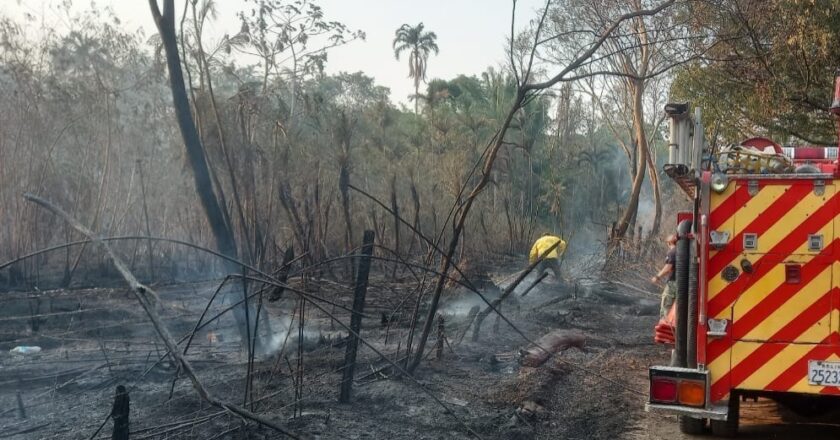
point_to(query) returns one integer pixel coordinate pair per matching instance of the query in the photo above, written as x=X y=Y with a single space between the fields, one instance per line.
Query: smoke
x=286 y=336
x=462 y=305
x=646 y=212
x=463 y=300
x=596 y=194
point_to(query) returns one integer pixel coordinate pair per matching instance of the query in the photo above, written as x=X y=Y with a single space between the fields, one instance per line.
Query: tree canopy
x=419 y=44
x=770 y=71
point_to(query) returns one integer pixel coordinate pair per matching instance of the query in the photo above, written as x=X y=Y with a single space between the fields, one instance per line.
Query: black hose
x=691 y=321
x=681 y=268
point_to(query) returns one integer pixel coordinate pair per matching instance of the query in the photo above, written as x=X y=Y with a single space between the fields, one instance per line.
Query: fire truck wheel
x=692 y=426
x=728 y=428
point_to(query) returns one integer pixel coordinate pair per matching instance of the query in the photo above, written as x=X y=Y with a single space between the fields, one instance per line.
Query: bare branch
x=598 y=43
x=141 y=292
x=536 y=41
x=512 y=39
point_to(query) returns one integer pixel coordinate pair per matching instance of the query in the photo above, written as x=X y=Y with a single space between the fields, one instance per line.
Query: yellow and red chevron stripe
x=777 y=324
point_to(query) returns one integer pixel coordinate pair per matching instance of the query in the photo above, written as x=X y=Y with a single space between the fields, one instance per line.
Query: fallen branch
x=553 y=342
x=143 y=294
x=493 y=306
x=534 y=284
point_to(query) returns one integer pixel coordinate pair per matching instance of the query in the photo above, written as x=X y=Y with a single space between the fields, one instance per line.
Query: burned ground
x=95 y=339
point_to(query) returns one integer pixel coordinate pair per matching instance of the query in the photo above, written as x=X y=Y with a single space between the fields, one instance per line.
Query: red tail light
x=663 y=390
x=673 y=386
x=793 y=273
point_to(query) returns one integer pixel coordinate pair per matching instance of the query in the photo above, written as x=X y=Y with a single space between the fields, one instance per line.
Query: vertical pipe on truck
x=702 y=286
x=685 y=142
x=680 y=139
x=698 y=139
x=673 y=138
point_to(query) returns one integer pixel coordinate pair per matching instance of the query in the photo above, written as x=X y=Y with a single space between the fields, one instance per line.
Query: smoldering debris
x=284 y=338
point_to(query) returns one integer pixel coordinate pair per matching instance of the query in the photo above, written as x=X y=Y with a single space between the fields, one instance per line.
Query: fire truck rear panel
x=777 y=282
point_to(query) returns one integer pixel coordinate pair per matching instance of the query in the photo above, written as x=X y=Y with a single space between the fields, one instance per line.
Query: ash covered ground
x=94 y=339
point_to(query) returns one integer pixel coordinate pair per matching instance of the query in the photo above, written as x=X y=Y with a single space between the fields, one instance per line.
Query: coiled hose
x=681 y=268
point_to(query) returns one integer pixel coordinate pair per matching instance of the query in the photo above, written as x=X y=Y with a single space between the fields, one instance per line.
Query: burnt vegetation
x=313 y=260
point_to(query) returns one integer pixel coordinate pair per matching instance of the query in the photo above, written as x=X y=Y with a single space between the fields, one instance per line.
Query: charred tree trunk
x=222 y=233
x=204 y=72
x=344 y=188
x=343 y=136
x=415 y=198
x=356 y=318
x=395 y=208
x=290 y=205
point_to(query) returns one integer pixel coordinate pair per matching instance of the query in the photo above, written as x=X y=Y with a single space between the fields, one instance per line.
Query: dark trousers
x=552 y=264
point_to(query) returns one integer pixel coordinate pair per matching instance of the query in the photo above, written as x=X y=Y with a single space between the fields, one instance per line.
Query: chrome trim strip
x=716 y=412
x=787 y=176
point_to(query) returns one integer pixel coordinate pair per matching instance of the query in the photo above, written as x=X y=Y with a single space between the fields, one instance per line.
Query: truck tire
x=692 y=426
x=728 y=428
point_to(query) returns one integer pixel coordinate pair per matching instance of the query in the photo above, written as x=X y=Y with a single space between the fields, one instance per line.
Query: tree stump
x=119 y=413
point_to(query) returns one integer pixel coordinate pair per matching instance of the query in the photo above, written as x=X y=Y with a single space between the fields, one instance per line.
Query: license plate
x=824 y=373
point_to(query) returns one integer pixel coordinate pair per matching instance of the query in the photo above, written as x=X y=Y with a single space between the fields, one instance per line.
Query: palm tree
x=419 y=44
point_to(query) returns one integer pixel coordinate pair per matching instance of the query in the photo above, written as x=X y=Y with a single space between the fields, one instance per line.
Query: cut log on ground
x=550 y=344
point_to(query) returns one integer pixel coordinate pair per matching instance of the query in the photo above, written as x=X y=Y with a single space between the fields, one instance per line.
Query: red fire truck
x=757 y=312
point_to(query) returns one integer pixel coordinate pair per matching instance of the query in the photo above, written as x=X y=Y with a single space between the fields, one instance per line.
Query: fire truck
x=757 y=310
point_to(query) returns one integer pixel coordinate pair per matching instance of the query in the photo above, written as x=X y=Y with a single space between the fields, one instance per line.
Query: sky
x=471 y=34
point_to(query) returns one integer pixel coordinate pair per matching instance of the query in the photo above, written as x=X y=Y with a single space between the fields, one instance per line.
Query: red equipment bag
x=663 y=332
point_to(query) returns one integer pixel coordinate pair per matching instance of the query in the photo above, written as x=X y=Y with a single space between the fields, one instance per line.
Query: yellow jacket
x=542 y=245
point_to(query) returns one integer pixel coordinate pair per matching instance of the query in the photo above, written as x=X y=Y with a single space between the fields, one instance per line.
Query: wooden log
x=550 y=344
x=356 y=318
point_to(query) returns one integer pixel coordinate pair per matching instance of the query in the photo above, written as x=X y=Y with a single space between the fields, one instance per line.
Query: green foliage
x=770 y=71
x=419 y=45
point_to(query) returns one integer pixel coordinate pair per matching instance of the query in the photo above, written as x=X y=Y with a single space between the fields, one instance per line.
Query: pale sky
x=471 y=33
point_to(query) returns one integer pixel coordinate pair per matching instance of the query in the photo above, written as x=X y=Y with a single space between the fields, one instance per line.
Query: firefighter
x=667 y=274
x=552 y=259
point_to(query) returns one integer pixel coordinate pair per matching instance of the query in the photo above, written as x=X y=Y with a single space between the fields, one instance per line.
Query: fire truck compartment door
x=785 y=218
x=786 y=233
x=787 y=299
